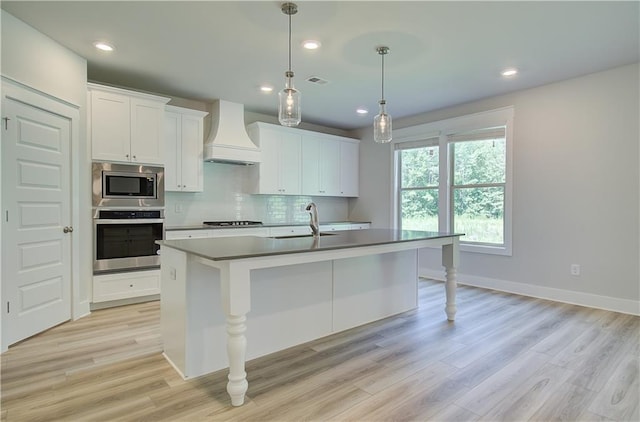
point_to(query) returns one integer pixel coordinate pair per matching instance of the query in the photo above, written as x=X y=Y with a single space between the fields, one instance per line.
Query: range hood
x=228 y=141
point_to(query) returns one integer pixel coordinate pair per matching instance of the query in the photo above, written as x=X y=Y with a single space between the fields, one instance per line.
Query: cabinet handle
x=67 y=229
x=126 y=155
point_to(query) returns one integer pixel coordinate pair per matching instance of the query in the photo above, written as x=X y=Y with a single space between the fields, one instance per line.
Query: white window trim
x=443 y=129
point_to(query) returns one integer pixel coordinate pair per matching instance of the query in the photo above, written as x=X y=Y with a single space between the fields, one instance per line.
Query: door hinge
x=8 y=307
x=6 y=120
x=6 y=215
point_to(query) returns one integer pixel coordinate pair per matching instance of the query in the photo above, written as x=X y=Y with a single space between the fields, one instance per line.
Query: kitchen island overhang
x=300 y=289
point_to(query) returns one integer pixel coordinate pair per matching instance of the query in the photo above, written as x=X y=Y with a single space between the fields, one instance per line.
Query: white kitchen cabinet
x=187 y=234
x=330 y=165
x=302 y=162
x=245 y=231
x=279 y=173
x=127 y=285
x=320 y=166
x=289 y=231
x=349 y=168
x=183 y=158
x=334 y=227
x=126 y=126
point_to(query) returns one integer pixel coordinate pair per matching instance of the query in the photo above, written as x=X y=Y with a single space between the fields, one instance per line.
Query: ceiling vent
x=317 y=80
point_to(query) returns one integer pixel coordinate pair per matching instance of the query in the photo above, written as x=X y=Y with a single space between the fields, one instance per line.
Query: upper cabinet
x=302 y=162
x=126 y=126
x=320 y=166
x=349 y=168
x=183 y=149
x=280 y=170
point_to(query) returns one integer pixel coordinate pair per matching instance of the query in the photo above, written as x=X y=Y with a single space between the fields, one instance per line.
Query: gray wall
x=576 y=191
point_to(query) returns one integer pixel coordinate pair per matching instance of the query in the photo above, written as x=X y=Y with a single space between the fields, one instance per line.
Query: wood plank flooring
x=506 y=358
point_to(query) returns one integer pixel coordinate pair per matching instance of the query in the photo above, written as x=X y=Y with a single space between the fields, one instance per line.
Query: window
x=478 y=183
x=458 y=179
x=419 y=183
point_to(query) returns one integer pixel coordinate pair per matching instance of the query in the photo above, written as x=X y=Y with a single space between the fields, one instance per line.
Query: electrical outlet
x=575 y=269
x=179 y=207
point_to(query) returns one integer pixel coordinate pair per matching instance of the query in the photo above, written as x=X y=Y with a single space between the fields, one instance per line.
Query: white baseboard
x=608 y=303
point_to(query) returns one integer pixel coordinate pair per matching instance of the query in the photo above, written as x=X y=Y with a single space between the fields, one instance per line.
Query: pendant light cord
x=289 y=42
x=382 y=54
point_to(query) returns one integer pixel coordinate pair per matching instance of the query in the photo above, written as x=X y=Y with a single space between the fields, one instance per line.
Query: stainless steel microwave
x=127 y=185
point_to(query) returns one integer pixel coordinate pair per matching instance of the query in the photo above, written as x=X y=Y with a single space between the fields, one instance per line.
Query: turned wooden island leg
x=236 y=301
x=236 y=350
x=450 y=258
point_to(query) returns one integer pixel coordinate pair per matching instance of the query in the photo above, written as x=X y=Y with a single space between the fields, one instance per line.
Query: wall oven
x=125 y=240
x=127 y=185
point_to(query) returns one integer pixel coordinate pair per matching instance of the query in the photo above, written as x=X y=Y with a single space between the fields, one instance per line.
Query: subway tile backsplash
x=224 y=198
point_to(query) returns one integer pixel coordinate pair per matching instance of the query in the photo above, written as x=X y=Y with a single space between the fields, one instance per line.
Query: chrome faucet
x=313 y=212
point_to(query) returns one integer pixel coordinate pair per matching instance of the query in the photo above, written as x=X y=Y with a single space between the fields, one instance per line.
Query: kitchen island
x=298 y=288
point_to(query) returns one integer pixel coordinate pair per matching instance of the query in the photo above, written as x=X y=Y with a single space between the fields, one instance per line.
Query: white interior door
x=36 y=259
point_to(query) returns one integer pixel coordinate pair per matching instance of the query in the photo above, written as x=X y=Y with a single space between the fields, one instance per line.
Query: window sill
x=485 y=249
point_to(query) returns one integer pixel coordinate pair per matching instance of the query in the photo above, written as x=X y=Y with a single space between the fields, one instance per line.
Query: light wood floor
x=506 y=358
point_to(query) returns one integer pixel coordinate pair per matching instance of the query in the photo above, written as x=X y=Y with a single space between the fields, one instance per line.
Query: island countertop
x=231 y=248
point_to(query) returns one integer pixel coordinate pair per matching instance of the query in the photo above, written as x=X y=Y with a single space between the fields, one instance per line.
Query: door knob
x=67 y=229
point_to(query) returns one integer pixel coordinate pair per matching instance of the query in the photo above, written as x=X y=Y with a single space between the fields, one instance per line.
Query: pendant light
x=289 y=113
x=382 y=122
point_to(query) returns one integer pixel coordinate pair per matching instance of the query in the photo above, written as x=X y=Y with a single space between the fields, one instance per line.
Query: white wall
x=576 y=191
x=38 y=62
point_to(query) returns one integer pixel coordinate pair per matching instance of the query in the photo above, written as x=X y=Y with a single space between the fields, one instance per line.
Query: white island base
x=219 y=313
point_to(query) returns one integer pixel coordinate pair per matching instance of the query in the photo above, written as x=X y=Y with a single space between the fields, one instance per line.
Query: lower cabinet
x=289 y=231
x=261 y=231
x=187 y=234
x=117 y=286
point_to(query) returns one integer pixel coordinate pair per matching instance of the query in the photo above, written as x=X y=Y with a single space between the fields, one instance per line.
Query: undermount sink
x=292 y=236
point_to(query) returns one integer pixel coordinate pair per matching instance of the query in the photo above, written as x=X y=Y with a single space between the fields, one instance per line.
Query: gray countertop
x=207 y=227
x=229 y=248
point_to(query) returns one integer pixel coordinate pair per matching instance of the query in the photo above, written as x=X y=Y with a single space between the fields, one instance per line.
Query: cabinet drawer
x=187 y=234
x=125 y=285
x=289 y=230
x=251 y=231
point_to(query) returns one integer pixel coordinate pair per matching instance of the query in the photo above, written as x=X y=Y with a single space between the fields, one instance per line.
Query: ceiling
x=441 y=53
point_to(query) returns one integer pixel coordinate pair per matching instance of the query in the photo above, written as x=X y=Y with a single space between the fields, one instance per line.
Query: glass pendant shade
x=289 y=111
x=382 y=126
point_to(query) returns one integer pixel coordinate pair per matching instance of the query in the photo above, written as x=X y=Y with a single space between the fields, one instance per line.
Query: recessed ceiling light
x=103 y=46
x=509 y=72
x=266 y=88
x=311 y=44
x=362 y=110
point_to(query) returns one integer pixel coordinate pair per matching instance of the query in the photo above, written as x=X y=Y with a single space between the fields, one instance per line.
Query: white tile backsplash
x=224 y=199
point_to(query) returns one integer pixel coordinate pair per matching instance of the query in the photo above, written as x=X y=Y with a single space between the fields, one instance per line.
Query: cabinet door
x=320 y=166
x=187 y=234
x=192 y=154
x=330 y=167
x=147 y=128
x=349 y=164
x=280 y=167
x=110 y=128
x=290 y=164
x=172 y=160
x=311 y=180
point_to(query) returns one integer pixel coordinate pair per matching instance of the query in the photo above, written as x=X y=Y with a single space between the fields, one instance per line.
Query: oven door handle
x=129 y=221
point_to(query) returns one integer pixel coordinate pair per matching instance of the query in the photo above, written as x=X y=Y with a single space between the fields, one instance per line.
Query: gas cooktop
x=233 y=223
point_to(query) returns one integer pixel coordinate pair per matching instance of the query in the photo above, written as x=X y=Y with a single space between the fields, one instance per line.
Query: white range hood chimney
x=228 y=141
